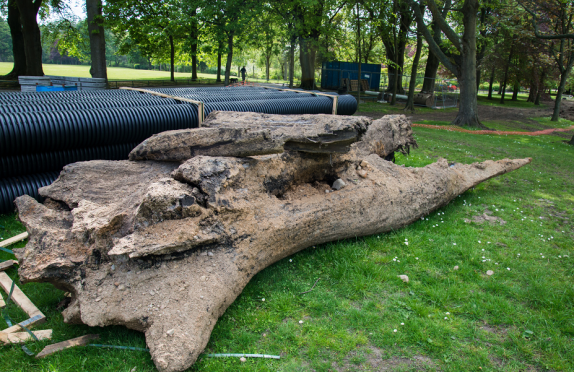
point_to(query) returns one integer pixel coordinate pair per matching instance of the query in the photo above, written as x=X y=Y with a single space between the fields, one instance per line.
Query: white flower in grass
x=445 y=318
x=290 y=260
x=300 y=322
x=263 y=299
x=447 y=313
x=542 y=257
x=508 y=268
x=402 y=323
x=483 y=249
x=406 y=243
x=394 y=259
x=416 y=258
x=394 y=330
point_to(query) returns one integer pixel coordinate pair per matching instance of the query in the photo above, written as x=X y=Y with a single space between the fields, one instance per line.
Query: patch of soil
x=377 y=361
x=486 y=217
x=517 y=118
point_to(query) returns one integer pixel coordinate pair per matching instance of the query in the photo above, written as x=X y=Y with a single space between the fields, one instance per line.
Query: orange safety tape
x=496 y=132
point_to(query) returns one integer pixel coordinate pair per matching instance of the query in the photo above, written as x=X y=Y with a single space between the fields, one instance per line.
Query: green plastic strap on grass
x=9 y=321
x=6 y=250
x=120 y=347
x=244 y=355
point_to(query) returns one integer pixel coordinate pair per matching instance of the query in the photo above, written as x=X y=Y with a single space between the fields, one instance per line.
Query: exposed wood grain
x=20 y=337
x=40 y=318
x=78 y=341
x=14 y=239
x=7 y=264
x=18 y=296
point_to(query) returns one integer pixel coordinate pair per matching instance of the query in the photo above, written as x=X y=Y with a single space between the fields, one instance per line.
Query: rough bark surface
x=17 y=42
x=165 y=247
x=97 y=39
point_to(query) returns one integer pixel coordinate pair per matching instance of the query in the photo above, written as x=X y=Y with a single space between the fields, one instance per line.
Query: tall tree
x=231 y=18
x=393 y=19
x=97 y=39
x=556 y=18
x=150 y=24
x=17 y=36
x=31 y=35
x=462 y=63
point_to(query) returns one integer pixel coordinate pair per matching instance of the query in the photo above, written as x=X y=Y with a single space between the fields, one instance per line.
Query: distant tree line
x=488 y=43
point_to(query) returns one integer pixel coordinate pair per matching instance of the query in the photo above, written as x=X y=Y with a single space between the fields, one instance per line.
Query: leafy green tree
x=155 y=27
x=461 y=62
x=5 y=42
x=231 y=19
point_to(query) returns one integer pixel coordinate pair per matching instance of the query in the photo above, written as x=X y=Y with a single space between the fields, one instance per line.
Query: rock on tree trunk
x=18 y=50
x=31 y=34
x=97 y=39
x=166 y=247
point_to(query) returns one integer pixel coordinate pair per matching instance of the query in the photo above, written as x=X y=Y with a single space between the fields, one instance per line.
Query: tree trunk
x=17 y=42
x=506 y=75
x=491 y=83
x=515 y=90
x=267 y=63
x=571 y=142
x=229 y=57
x=532 y=91
x=478 y=75
x=540 y=88
x=194 y=42
x=97 y=39
x=468 y=111
x=307 y=59
x=171 y=58
x=412 y=84
x=32 y=40
x=558 y=101
x=292 y=61
x=432 y=62
x=218 y=80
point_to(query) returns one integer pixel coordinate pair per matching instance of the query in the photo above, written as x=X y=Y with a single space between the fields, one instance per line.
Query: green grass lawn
x=361 y=317
x=114 y=73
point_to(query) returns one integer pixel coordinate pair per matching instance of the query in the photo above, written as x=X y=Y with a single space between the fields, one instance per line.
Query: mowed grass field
x=114 y=73
x=360 y=316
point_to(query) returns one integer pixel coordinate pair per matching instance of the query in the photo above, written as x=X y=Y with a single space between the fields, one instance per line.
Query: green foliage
x=5 y=42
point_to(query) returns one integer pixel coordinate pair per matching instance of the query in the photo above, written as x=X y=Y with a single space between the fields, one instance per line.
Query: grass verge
x=520 y=318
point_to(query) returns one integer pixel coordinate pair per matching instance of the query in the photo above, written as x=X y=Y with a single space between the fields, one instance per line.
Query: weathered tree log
x=165 y=248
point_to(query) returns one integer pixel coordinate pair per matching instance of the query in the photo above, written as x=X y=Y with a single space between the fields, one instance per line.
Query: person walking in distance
x=243 y=72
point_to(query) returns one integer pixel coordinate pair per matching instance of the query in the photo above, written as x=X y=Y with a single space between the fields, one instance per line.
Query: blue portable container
x=334 y=72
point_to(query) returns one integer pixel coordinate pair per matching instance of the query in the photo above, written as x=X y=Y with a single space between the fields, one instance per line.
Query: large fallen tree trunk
x=166 y=247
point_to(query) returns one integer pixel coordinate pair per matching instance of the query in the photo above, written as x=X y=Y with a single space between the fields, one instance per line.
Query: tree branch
x=537 y=31
x=430 y=40
x=441 y=22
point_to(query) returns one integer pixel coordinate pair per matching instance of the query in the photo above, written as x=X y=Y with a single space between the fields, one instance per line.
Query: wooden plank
x=14 y=239
x=7 y=264
x=28 y=323
x=200 y=109
x=78 y=341
x=20 y=337
x=18 y=296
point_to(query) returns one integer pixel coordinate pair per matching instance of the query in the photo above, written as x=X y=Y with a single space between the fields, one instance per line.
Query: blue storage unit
x=333 y=73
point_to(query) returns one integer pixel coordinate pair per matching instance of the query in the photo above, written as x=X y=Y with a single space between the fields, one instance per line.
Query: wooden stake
x=26 y=323
x=18 y=296
x=54 y=348
x=20 y=337
x=200 y=110
x=14 y=239
x=7 y=264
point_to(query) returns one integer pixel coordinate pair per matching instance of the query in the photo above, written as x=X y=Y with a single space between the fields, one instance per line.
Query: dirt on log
x=166 y=247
